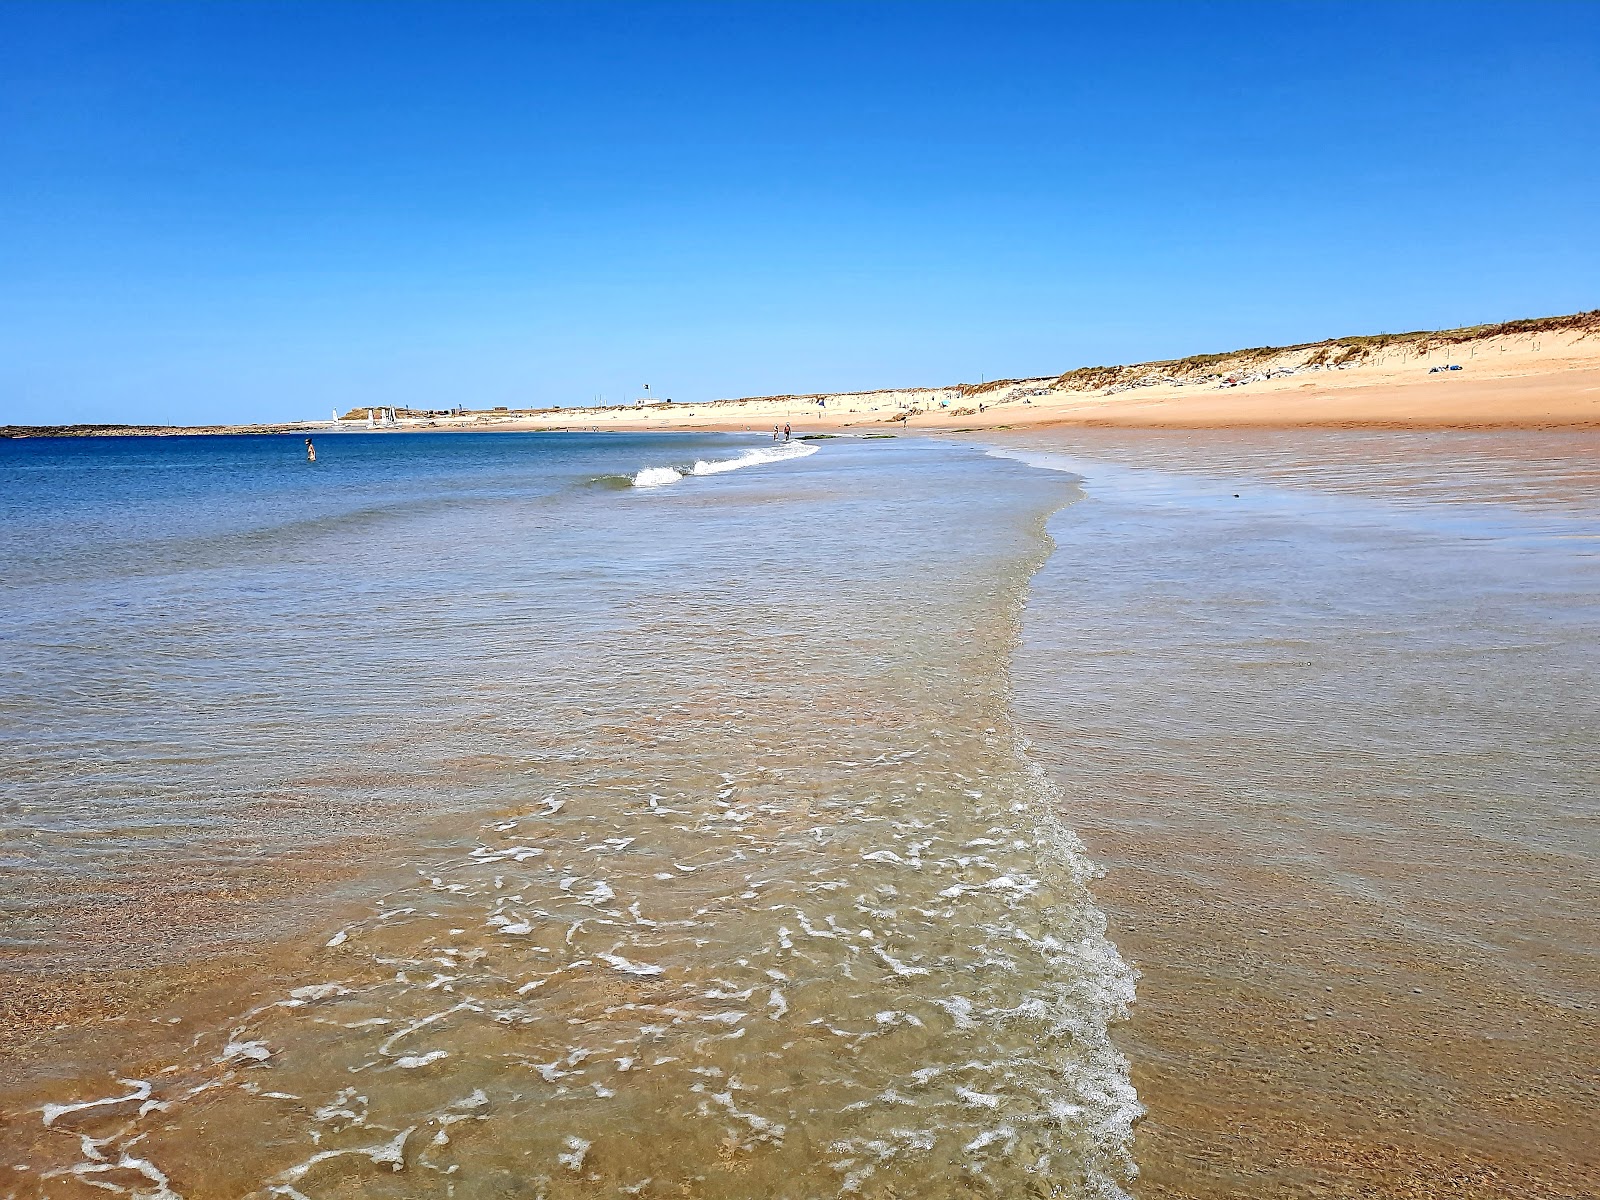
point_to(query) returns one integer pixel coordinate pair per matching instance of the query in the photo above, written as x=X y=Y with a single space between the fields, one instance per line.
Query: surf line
x=759 y=456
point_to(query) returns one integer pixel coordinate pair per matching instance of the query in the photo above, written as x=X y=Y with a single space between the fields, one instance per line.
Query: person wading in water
x=311 y=451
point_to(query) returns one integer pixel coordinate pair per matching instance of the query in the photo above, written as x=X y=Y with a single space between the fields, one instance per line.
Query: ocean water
x=597 y=815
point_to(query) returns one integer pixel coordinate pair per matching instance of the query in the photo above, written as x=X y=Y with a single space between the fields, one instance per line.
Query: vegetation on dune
x=1196 y=368
x=1331 y=352
x=1088 y=379
x=978 y=389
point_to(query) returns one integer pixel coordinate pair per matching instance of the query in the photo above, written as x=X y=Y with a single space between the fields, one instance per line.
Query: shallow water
x=1325 y=702
x=599 y=838
x=684 y=843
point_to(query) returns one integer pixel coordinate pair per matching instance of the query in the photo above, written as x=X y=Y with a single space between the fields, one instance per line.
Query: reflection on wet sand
x=1324 y=704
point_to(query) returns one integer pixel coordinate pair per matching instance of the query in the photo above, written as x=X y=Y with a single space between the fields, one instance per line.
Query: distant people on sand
x=311 y=451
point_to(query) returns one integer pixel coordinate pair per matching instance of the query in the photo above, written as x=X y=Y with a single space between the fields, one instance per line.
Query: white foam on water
x=627 y=967
x=412 y=1061
x=577 y=1150
x=978 y=1099
x=53 y=1112
x=1022 y=1070
x=389 y=1154
x=315 y=991
x=464 y=1006
x=947 y=988
x=249 y=1051
x=656 y=476
x=755 y=457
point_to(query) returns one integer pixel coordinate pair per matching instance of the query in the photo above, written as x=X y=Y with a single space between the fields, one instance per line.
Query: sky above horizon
x=266 y=211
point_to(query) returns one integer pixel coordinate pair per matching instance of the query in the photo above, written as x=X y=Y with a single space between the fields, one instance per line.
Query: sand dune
x=1538 y=373
x=1534 y=373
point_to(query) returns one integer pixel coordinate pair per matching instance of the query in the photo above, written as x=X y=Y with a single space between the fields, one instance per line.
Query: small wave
x=657 y=476
x=609 y=481
x=753 y=458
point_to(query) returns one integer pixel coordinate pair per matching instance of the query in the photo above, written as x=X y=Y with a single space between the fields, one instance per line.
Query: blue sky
x=236 y=211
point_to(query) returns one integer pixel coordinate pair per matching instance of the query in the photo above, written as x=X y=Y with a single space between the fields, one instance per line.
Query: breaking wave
x=758 y=456
x=656 y=476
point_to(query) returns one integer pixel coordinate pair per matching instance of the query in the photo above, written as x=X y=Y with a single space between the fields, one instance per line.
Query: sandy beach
x=1337 y=860
x=1530 y=374
x=833 y=601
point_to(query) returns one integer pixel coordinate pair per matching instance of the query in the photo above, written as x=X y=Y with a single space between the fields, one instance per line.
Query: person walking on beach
x=786 y=431
x=311 y=451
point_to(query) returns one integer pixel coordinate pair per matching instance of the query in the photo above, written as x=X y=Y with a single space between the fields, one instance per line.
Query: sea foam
x=755 y=457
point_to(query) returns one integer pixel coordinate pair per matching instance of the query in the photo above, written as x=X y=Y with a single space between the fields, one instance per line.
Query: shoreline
x=1290 y=1036
x=1312 y=1019
x=1538 y=374
x=664 y=850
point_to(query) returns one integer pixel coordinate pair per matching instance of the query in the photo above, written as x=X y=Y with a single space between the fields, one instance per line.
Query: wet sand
x=1332 y=740
x=1335 y=1053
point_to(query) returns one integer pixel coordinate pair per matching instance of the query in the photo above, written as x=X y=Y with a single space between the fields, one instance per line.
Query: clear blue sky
x=233 y=211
